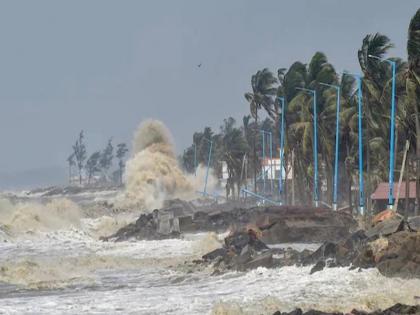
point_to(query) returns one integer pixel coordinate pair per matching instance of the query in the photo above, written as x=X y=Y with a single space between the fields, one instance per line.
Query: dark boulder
x=413 y=224
x=152 y=226
x=345 y=253
x=386 y=227
x=397 y=309
x=320 y=265
x=241 y=251
x=239 y=240
x=401 y=258
x=219 y=252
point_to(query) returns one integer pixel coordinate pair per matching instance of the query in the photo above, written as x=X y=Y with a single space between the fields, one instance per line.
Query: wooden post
x=407 y=147
x=407 y=189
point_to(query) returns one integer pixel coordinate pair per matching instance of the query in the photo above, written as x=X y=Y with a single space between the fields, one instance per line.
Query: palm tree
x=318 y=70
x=233 y=147
x=72 y=163
x=288 y=80
x=413 y=88
x=263 y=89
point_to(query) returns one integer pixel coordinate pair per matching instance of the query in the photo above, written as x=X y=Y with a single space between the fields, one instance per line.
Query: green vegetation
x=99 y=163
x=233 y=143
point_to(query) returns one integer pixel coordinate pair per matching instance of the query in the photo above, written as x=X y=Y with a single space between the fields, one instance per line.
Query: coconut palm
x=318 y=70
x=234 y=147
x=413 y=88
x=263 y=89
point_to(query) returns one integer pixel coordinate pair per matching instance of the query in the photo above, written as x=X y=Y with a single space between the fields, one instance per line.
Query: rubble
x=392 y=246
x=397 y=309
x=241 y=251
x=278 y=224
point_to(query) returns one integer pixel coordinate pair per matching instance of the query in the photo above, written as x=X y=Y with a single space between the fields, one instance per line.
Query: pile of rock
x=241 y=251
x=278 y=224
x=397 y=309
x=153 y=226
x=392 y=246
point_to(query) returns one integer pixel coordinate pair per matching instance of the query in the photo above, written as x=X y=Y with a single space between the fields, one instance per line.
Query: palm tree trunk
x=349 y=180
x=286 y=186
x=407 y=188
x=369 y=181
x=329 y=175
x=293 y=177
x=411 y=88
x=417 y=211
x=255 y=151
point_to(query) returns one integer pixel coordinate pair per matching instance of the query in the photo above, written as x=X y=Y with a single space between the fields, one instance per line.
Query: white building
x=270 y=170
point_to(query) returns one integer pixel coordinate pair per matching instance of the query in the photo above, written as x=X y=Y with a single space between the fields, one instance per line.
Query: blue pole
x=337 y=140
x=208 y=167
x=392 y=144
x=264 y=199
x=281 y=148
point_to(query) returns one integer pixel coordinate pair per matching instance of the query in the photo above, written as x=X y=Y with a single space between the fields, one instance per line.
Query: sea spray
x=33 y=216
x=153 y=174
x=209 y=242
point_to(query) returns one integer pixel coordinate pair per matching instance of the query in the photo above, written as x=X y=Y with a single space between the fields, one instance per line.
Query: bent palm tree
x=263 y=89
x=413 y=88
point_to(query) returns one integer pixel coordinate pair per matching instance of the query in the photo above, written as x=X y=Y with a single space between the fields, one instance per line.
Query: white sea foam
x=153 y=290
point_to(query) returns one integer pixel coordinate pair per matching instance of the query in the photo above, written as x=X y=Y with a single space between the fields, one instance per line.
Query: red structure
x=380 y=196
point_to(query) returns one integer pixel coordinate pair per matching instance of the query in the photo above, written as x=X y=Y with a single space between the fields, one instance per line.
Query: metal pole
x=281 y=148
x=392 y=141
x=208 y=167
x=264 y=199
x=391 y=145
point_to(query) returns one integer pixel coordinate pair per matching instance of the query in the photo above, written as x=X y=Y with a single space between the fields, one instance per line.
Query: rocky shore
x=397 y=309
x=392 y=246
x=278 y=224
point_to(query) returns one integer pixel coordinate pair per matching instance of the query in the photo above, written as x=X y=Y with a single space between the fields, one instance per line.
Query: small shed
x=380 y=196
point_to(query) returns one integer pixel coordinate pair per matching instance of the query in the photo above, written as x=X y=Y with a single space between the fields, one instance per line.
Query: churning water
x=65 y=269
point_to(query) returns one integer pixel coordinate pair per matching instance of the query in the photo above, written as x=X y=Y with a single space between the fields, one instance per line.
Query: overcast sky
x=103 y=66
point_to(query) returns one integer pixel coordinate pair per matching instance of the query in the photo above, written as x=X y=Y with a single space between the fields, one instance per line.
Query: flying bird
x=199 y=65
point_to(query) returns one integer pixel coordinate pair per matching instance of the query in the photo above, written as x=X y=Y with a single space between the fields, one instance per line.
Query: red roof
x=383 y=190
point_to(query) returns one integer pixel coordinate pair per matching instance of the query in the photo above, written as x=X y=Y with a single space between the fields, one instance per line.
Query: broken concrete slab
x=414 y=223
x=385 y=228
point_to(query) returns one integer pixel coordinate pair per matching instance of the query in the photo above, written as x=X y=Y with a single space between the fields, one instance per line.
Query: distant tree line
x=98 y=164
